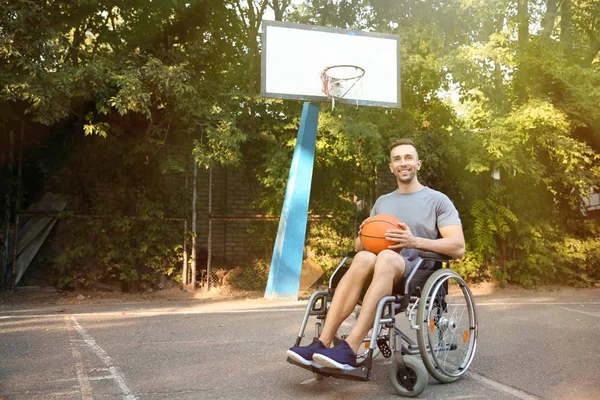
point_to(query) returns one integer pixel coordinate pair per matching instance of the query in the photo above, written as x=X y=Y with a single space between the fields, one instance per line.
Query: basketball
x=373 y=231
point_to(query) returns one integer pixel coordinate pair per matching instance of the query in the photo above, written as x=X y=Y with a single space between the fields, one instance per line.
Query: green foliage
x=471 y=267
x=223 y=146
x=492 y=221
x=253 y=277
x=326 y=246
x=116 y=249
x=580 y=261
x=108 y=91
x=547 y=255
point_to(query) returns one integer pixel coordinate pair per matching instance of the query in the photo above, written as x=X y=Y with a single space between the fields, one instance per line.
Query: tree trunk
x=523 y=18
x=549 y=18
x=254 y=69
x=253 y=22
x=194 y=217
x=185 y=270
x=501 y=97
x=279 y=7
x=566 y=23
x=185 y=273
x=523 y=30
x=594 y=49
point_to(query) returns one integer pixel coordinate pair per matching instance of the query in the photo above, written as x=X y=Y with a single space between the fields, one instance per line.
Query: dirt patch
x=105 y=297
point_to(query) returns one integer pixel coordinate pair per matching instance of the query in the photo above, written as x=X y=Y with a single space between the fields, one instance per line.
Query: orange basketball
x=373 y=231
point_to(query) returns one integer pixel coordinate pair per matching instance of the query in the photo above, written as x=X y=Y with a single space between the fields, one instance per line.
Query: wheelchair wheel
x=447 y=336
x=412 y=383
x=344 y=330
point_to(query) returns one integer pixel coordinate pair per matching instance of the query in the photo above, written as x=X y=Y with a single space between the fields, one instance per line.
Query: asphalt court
x=532 y=346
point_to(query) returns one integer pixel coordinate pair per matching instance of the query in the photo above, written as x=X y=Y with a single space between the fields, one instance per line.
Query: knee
x=363 y=258
x=363 y=262
x=388 y=261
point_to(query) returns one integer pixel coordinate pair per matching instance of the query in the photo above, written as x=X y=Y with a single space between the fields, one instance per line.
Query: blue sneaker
x=340 y=356
x=304 y=354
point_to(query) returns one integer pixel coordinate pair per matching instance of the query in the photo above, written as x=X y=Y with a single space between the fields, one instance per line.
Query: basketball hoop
x=338 y=80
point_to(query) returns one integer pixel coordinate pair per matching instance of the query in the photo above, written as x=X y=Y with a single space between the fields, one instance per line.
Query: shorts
x=408 y=266
x=420 y=277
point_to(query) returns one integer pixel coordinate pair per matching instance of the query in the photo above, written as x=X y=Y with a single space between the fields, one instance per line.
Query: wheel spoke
x=450 y=340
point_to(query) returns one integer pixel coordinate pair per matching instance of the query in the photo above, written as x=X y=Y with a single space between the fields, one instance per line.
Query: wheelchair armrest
x=423 y=255
x=434 y=256
x=340 y=270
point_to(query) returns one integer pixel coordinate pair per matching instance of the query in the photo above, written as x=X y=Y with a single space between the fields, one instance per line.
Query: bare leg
x=389 y=269
x=347 y=294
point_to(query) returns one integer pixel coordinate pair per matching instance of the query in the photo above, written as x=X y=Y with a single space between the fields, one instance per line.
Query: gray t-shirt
x=424 y=212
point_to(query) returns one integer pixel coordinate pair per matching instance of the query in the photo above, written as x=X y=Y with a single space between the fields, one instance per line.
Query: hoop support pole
x=286 y=263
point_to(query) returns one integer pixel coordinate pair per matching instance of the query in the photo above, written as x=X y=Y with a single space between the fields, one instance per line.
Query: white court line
x=579 y=311
x=101 y=378
x=84 y=381
x=82 y=377
x=103 y=356
x=500 y=387
x=29 y=394
x=97 y=378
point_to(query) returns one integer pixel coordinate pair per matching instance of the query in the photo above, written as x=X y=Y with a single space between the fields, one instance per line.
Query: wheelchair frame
x=407 y=374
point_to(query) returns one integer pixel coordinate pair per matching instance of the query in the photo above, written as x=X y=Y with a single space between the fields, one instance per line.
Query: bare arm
x=452 y=242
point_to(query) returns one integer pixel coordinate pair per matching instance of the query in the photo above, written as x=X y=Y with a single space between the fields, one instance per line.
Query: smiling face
x=404 y=163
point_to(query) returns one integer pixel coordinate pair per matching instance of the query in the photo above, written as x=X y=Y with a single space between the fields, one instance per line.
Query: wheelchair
x=440 y=308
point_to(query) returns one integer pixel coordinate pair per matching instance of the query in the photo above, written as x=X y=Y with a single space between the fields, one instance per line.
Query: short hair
x=402 y=141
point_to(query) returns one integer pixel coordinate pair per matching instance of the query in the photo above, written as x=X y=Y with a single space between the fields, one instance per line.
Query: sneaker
x=340 y=356
x=304 y=354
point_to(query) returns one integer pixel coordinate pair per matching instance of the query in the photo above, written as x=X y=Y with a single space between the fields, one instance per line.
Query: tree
x=109 y=90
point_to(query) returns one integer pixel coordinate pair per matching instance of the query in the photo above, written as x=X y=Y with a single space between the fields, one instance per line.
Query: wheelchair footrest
x=356 y=374
x=384 y=348
x=308 y=367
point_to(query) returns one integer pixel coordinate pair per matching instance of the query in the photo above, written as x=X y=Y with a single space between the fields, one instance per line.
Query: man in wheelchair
x=429 y=223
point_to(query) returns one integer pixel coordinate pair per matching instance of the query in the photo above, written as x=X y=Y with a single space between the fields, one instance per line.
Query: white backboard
x=294 y=57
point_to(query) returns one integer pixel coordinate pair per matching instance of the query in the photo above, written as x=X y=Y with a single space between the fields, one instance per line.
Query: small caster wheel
x=409 y=384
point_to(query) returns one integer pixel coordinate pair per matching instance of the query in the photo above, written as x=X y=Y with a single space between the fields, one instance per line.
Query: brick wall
x=237 y=236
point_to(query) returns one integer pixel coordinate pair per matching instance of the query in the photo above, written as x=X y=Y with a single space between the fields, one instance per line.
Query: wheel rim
x=451 y=326
x=408 y=380
x=414 y=379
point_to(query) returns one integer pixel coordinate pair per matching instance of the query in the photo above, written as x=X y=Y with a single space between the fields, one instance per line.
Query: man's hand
x=403 y=236
x=358 y=246
x=361 y=226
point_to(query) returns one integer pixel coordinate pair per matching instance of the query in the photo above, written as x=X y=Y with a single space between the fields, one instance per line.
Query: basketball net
x=338 y=80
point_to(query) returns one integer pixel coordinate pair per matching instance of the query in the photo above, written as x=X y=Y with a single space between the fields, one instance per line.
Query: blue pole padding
x=286 y=263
